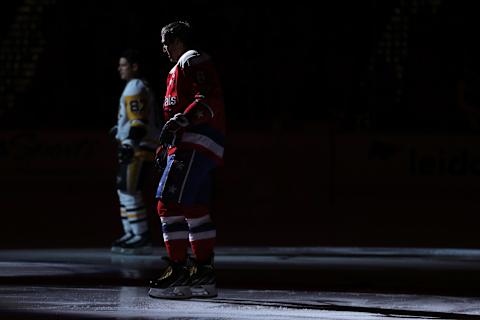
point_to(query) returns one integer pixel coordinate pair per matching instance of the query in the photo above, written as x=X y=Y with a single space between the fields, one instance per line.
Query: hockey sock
x=127 y=229
x=137 y=218
x=134 y=211
x=175 y=236
x=202 y=234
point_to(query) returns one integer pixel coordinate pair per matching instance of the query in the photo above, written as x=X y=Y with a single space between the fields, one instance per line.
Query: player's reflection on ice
x=131 y=297
x=137 y=267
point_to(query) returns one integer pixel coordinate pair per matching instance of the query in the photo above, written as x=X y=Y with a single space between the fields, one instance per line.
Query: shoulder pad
x=134 y=87
x=192 y=57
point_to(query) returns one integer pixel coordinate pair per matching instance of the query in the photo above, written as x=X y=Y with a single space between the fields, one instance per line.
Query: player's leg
x=202 y=240
x=202 y=230
x=185 y=190
x=131 y=186
x=174 y=283
x=127 y=229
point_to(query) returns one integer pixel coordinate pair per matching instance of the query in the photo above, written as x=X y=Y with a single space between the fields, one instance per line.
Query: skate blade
x=204 y=291
x=116 y=250
x=137 y=251
x=182 y=292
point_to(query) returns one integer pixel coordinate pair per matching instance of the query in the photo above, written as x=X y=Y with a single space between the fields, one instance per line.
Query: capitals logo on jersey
x=169 y=102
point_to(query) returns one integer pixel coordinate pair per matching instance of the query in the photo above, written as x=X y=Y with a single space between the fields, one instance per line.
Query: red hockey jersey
x=193 y=88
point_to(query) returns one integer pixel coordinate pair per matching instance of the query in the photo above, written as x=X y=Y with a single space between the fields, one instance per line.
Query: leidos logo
x=462 y=162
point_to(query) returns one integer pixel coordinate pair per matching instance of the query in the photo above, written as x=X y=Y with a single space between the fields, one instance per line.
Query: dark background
x=349 y=122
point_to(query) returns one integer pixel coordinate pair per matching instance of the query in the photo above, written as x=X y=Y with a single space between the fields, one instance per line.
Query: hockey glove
x=177 y=122
x=125 y=154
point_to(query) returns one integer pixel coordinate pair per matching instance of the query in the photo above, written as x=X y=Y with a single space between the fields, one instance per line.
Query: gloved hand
x=161 y=155
x=125 y=153
x=177 y=122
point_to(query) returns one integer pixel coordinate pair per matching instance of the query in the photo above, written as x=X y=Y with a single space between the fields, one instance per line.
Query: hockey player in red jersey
x=192 y=147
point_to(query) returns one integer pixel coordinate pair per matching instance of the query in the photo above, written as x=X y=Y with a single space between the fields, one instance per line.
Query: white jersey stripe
x=204 y=141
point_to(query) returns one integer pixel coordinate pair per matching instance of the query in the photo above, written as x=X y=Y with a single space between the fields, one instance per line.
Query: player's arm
x=199 y=110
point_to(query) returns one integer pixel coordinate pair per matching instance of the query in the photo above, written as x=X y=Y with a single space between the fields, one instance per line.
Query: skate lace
x=193 y=270
x=167 y=273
